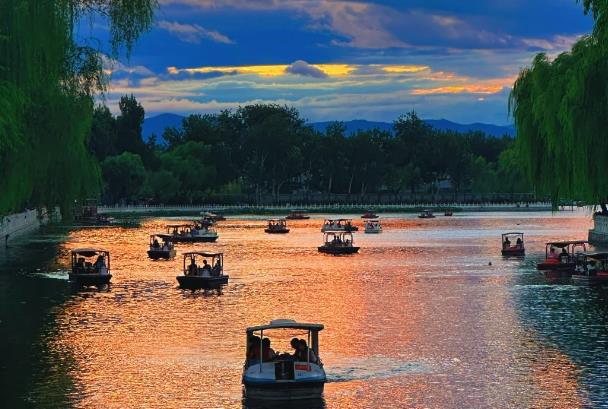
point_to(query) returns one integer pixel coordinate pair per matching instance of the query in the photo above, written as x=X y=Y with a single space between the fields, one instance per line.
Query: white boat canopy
x=286 y=324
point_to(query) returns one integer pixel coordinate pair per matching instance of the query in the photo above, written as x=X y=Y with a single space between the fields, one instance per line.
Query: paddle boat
x=338 y=242
x=426 y=214
x=513 y=244
x=194 y=232
x=448 y=212
x=373 y=226
x=277 y=226
x=338 y=225
x=90 y=267
x=215 y=217
x=591 y=269
x=283 y=376
x=298 y=215
x=86 y=214
x=565 y=260
x=206 y=275
x=165 y=251
x=369 y=214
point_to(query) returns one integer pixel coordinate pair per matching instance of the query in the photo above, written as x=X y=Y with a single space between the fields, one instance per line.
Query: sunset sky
x=341 y=60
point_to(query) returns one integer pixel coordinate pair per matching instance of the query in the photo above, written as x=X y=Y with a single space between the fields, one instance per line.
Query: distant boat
x=298 y=215
x=369 y=214
x=195 y=232
x=373 y=227
x=165 y=251
x=286 y=376
x=338 y=225
x=426 y=214
x=277 y=226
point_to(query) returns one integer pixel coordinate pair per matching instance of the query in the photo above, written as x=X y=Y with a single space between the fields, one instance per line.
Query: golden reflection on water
x=418 y=319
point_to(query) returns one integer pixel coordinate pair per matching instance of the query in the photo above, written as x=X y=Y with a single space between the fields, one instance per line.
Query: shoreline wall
x=17 y=225
x=599 y=234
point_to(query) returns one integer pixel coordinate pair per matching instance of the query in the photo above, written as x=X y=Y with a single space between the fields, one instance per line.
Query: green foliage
x=124 y=175
x=560 y=108
x=266 y=150
x=47 y=82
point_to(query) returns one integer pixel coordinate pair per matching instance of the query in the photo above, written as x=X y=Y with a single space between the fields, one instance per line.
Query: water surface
x=428 y=314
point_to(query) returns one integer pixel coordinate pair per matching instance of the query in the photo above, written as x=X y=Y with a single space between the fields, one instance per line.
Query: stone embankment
x=17 y=225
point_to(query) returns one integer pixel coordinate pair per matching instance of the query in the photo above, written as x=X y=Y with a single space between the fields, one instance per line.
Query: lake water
x=428 y=314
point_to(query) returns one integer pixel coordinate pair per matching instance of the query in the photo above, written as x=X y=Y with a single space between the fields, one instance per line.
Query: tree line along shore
x=266 y=153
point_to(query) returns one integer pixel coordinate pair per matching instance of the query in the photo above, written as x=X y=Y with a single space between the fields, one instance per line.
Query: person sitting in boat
x=306 y=353
x=155 y=244
x=519 y=243
x=268 y=353
x=591 y=268
x=88 y=267
x=192 y=268
x=297 y=353
x=507 y=243
x=563 y=256
x=253 y=350
x=206 y=269
x=553 y=254
x=165 y=246
x=80 y=267
x=100 y=265
x=217 y=268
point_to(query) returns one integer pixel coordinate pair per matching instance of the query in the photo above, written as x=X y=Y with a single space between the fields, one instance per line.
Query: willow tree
x=560 y=108
x=48 y=83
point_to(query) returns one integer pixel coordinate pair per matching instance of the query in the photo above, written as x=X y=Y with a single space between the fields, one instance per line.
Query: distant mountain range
x=157 y=124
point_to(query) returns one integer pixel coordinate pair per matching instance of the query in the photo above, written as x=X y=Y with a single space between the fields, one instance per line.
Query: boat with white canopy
x=373 y=226
x=202 y=274
x=195 y=232
x=283 y=376
x=166 y=250
x=338 y=242
x=338 y=225
x=90 y=267
x=277 y=226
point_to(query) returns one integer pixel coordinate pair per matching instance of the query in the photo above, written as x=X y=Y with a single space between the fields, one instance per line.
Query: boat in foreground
x=88 y=273
x=165 y=251
x=338 y=225
x=338 y=242
x=277 y=226
x=271 y=376
x=513 y=244
x=565 y=260
x=373 y=227
x=298 y=215
x=201 y=277
x=591 y=269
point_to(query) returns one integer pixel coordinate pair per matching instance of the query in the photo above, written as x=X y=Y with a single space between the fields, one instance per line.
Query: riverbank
x=178 y=210
x=18 y=225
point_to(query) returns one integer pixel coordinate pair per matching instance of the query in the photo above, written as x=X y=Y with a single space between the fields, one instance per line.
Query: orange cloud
x=459 y=89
